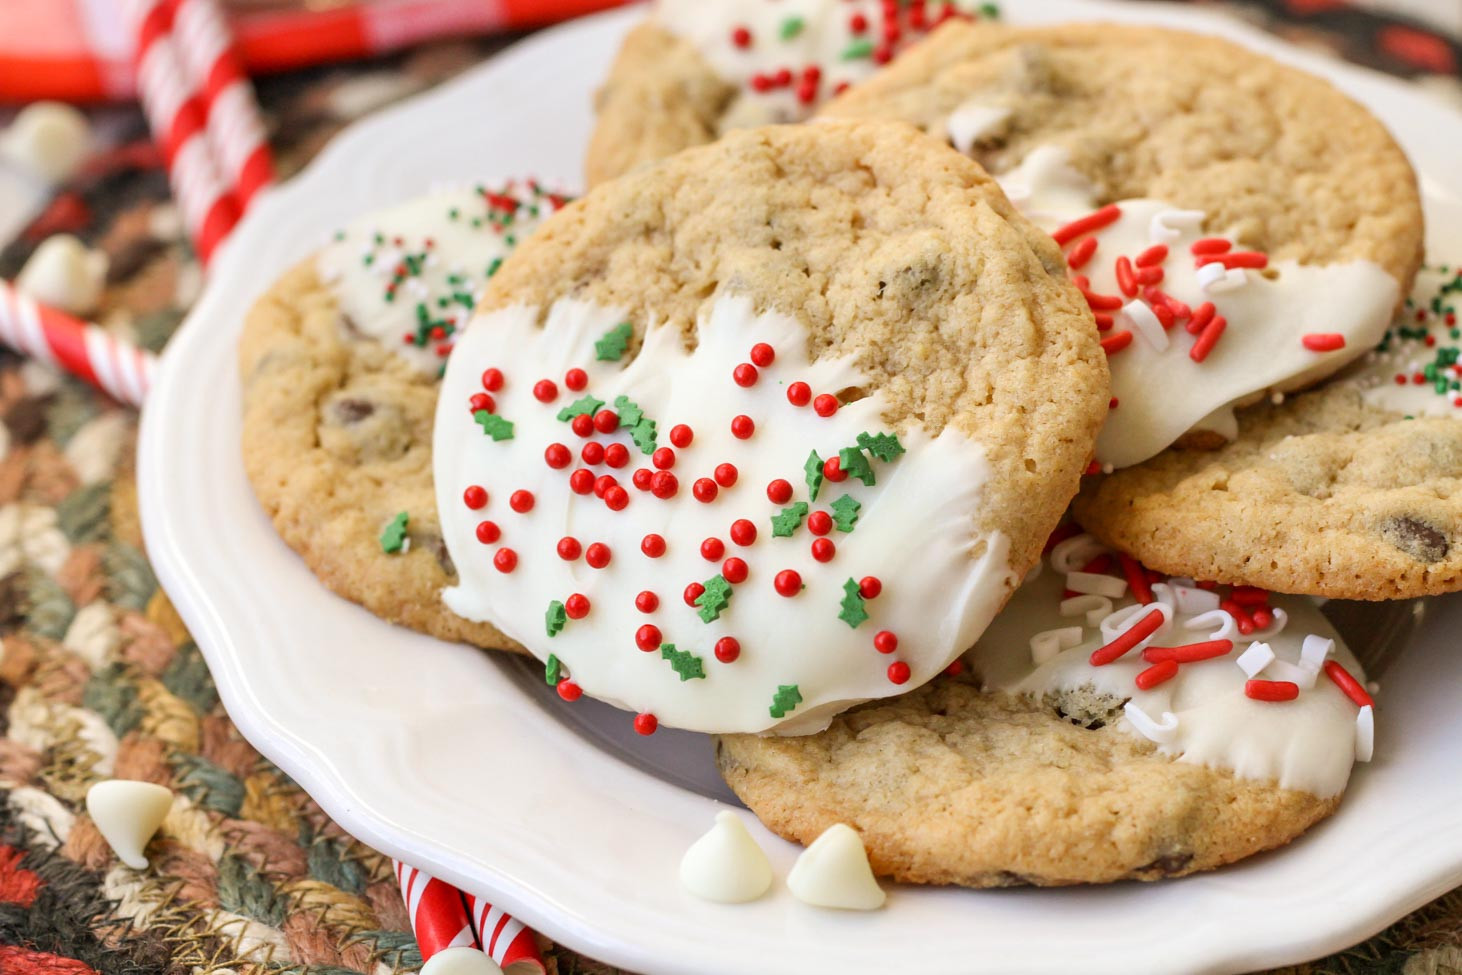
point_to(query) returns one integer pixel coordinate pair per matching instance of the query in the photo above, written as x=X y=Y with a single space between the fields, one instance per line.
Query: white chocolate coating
x=725 y=865
x=127 y=814
x=1409 y=371
x=942 y=580
x=1201 y=715
x=469 y=230
x=1161 y=392
x=834 y=872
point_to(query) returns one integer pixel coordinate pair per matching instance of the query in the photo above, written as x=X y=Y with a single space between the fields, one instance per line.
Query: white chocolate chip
x=461 y=960
x=726 y=865
x=64 y=273
x=49 y=140
x=127 y=814
x=834 y=872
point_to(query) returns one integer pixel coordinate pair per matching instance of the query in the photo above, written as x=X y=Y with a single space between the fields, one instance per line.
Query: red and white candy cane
x=510 y=944
x=115 y=366
x=443 y=925
x=178 y=118
x=216 y=73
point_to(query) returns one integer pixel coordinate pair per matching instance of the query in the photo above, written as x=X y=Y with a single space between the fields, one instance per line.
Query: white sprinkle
x=1192 y=600
x=1255 y=659
x=1284 y=670
x=1214 y=278
x=1048 y=643
x=1281 y=619
x=1315 y=651
x=1365 y=734
x=1070 y=554
x=1162 y=733
x=1137 y=316
x=1096 y=608
x=1169 y=224
x=1096 y=585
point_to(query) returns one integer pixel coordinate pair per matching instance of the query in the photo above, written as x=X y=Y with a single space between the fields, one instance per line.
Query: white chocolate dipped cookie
x=1094 y=735
x=735 y=424
x=340 y=362
x=1239 y=227
x=696 y=69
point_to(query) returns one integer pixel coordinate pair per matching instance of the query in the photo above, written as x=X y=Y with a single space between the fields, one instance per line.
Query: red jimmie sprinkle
x=742 y=427
x=1113 y=344
x=727 y=649
x=832 y=469
x=1246 y=259
x=1108 y=214
x=1211 y=334
x=898 y=672
x=734 y=570
x=1101 y=302
x=704 y=489
x=869 y=587
x=1189 y=652
x=712 y=549
x=653 y=545
x=1126 y=277
x=475 y=497
x=744 y=375
x=779 y=491
x=1081 y=253
x=597 y=555
x=481 y=401
x=885 y=641
x=488 y=532
x=606 y=421
x=826 y=404
x=645 y=724
x=1136 y=578
x=788 y=582
x=1262 y=617
x=569 y=548
x=576 y=379
x=647 y=602
x=1271 y=690
x=616 y=455
x=663 y=458
x=568 y=690
x=1128 y=639
x=492 y=380
x=1153 y=256
x=545 y=390
x=692 y=592
x=1163 y=670
x=1323 y=341
x=681 y=435
x=763 y=354
x=1210 y=245
x=647 y=637
x=1348 y=684
x=799 y=394
x=557 y=456
x=819 y=522
x=1249 y=595
x=506 y=560
x=581 y=481
x=725 y=474
x=823 y=549
x=743 y=532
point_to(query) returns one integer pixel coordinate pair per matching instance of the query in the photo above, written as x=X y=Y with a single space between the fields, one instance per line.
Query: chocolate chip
x=350 y=411
x=350 y=328
x=1421 y=541
x=27 y=419
x=1008 y=878
x=433 y=543
x=1164 y=866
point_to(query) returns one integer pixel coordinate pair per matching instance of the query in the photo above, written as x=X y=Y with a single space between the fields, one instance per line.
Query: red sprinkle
x=819 y=523
x=1153 y=256
x=763 y=354
x=492 y=380
x=593 y=453
x=799 y=394
x=681 y=435
x=788 y=582
x=1081 y=253
x=1249 y=595
x=1249 y=259
x=704 y=489
x=885 y=642
x=742 y=427
x=1271 y=690
x=741 y=37
x=1202 y=315
x=481 y=401
x=955 y=669
x=826 y=404
x=1113 y=344
x=692 y=593
x=647 y=601
x=647 y=637
x=1136 y=578
x=1189 y=652
x=823 y=549
x=664 y=485
x=475 y=497
x=616 y=455
x=1126 y=277
x=1128 y=639
x=488 y=532
x=1262 y=617
x=728 y=648
x=597 y=555
x=663 y=458
x=832 y=469
x=582 y=425
x=712 y=549
x=869 y=587
x=1211 y=334
x=646 y=723
x=617 y=498
x=725 y=474
x=743 y=532
x=1348 y=684
x=744 y=375
x=557 y=456
x=1323 y=341
x=653 y=545
x=576 y=606
x=545 y=391
x=1159 y=672
x=1101 y=302
x=606 y=421
x=506 y=560
x=1210 y=245
x=1092 y=221
x=898 y=672
x=576 y=379
x=603 y=483
x=581 y=481
x=568 y=690
x=734 y=570
x=569 y=548
x=779 y=491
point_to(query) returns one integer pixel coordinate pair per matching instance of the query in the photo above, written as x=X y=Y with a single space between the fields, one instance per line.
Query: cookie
x=340 y=362
x=1353 y=491
x=1080 y=745
x=757 y=412
x=695 y=69
x=1239 y=227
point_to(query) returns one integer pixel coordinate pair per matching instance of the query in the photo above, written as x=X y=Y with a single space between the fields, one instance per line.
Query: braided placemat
x=99 y=678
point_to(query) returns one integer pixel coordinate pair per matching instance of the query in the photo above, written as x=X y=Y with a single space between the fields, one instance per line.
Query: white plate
x=462 y=764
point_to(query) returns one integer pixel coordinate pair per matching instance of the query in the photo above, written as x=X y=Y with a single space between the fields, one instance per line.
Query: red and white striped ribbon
x=178 y=117
x=114 y=365
x=216 y=73
x=509 y=943
x=438 y=913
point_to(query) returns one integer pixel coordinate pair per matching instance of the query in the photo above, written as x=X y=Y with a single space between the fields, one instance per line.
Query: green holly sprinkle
x=683 y=662
x=861 y=48
x=393 y=539
x=785 y=701
x=813 y=470
x=643 y=435
x=611 y=347
x=884 y=446
x=845 y=513
x=552 y=671
x=629 y=412
x=555 y=618
x=791 y=27
x=493 y=425
x=716 y=597
x=854 y=464
x=853 y=612
x=585 y=405
x=786 y=524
